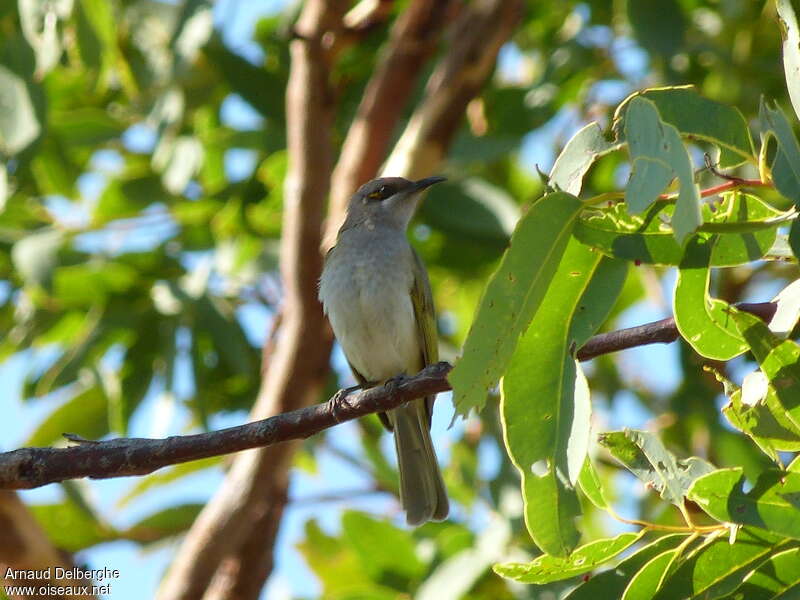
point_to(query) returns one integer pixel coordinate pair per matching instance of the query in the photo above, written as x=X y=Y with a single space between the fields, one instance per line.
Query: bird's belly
x=373 y=320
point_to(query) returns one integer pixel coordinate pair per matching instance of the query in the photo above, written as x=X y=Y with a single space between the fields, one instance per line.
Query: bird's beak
x=427 y=182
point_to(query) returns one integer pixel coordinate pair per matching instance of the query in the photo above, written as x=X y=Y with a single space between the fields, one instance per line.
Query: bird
x=376 y=293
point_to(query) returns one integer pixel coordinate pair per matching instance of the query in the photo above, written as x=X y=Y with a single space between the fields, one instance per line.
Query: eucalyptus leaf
x=546 y=418
x=743 y=223
x=581 y=151
x=512 y=297
x=705 y=322
x=779 y=360
x=545 y=568
x=791 y=51
x=658 y=155
x=696 y=117
x=777 y=578
x=612 y=582
x=644 y=455
x=717 y=567
x=786 y=164
x=772 y=504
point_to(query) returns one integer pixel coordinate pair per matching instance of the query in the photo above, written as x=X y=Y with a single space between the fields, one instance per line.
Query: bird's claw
x=393 y=383
x=340 y=402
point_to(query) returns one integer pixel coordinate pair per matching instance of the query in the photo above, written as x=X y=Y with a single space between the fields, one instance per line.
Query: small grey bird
x=376 y=293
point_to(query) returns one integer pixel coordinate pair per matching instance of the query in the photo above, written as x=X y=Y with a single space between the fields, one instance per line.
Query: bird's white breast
x=367 y=297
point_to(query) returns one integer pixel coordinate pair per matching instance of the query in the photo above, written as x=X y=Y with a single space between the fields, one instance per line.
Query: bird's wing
x=425 y=316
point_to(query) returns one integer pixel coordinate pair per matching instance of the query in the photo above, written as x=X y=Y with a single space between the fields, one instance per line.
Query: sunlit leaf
x=773 y=503
x=546 y=418
x=658 y=155
x=512 y=297
x=545 y=568
x=696 y=117
x=716 y=568
x=36 y=255
x=779 y=360
x=644 y=455
x=612 y=583
x=778 y=577
x=742 y=222
x=791 y=51
x=581 y=151
x=703 y=321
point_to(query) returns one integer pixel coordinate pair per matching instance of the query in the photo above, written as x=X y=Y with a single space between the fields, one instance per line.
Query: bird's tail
x=422 y=490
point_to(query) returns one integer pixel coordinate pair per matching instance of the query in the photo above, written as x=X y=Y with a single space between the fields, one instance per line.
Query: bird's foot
x=340 y=402
x=393 y=383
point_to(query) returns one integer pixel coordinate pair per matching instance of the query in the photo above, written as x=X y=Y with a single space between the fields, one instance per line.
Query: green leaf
x=659 y=25
x=703 y=321
x=545 y=568
x=658 y=155
x=779 y=360
x=779 y=574
x=126 y=198
x=458 y=573
x=36 y=255
x=648 y=580
x=512 y=297
x=581 y=151
x=644 y=455
x=165 y=476
x=791 y=51
x=772 y=504
x=766 y=422
x=612 y=583
x=85 y=126
x=717 y=567
x=85 y=414
x=164 y=523
x=696 y=118
x=590 y=484
x=546 y=418
x=472 y=208
x=19 y=124
x=647 y=239
x=70 y=527
x=786 y=164
x=383 y=548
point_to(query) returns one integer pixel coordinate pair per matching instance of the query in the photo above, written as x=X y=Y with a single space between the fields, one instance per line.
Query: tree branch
x=33 y=467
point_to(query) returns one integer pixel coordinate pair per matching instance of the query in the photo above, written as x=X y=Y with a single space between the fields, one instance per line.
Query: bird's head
x=388 y=200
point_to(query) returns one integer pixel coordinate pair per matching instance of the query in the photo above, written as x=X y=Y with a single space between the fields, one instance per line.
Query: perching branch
x=33 y=467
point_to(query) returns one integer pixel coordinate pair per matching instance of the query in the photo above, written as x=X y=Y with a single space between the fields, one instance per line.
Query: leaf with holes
x=546 y=568
x=546 y=418
x=644 y=455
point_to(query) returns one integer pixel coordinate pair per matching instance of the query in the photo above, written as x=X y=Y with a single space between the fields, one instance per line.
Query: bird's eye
x=383 y=191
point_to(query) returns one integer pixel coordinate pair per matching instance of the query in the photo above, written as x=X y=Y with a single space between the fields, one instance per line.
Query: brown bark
x=299 y=362
x=413 y=39
x=25 y=546
x=477 y=36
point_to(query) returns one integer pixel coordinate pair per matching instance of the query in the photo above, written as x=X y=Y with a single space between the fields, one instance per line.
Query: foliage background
x=141 y=209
